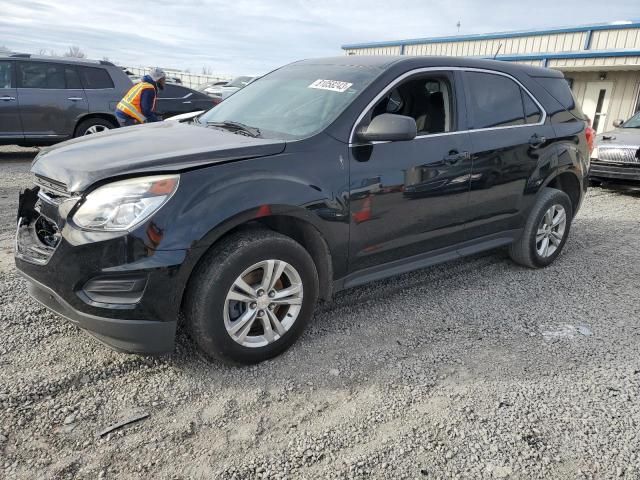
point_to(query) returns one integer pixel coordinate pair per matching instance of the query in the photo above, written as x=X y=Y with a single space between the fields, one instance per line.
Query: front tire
x=251 y=297
x=545 y=231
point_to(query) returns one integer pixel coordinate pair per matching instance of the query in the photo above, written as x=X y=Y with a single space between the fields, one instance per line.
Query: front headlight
x=594 y=153
x=122 y=205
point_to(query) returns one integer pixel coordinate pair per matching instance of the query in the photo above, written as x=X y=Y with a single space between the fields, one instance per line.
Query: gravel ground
x=473 y=369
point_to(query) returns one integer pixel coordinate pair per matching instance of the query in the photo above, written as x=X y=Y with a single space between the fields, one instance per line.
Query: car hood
x=620 y=136
x=155 y=147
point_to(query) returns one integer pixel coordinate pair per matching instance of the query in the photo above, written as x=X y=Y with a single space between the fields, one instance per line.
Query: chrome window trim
x=177 y=98
x=447 y=69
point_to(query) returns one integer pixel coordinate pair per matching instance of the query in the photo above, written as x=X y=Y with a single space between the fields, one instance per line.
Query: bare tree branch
x=74 y=51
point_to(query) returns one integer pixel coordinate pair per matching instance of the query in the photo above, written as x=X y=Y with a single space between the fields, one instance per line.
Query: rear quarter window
x=559 y=89
x=95 y=78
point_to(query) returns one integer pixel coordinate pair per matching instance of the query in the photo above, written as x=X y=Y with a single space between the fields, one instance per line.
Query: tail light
x=590 y=133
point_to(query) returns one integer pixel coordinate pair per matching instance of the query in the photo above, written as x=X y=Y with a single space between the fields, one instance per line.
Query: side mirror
x=617 y=123
x=389 y=127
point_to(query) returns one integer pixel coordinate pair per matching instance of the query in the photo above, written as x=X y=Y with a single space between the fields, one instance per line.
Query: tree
x=4 y=49
x=74 y=51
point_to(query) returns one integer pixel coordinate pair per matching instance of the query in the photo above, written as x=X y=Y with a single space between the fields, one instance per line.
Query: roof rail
x=20 y=55
x=106 y=62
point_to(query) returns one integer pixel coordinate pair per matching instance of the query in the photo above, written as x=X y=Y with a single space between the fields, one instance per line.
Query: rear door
x=51 y=98
x=10 y=126
x=102 y=94
x=508 y=134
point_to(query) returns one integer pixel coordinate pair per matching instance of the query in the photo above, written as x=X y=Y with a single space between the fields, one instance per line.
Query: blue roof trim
x=566 y=55
x=497 y=35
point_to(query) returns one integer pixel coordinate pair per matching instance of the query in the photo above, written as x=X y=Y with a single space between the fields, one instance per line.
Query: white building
x=601 y=62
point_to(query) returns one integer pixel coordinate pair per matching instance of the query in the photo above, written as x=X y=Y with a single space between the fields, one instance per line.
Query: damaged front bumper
x=112 y=285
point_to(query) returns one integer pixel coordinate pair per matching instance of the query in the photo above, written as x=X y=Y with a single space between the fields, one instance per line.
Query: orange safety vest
x=130 y=104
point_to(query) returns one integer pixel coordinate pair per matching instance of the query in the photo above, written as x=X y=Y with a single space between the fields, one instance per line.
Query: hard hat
x=157 y=73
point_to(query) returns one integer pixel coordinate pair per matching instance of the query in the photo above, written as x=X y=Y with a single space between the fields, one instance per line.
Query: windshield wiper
x=238 y=127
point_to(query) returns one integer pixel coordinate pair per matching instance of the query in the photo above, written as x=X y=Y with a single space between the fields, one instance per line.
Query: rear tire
x=545 y=231
x=92 y=126
x=230 y=324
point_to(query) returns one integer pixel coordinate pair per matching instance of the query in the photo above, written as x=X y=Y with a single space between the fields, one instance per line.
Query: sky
x=250 y=37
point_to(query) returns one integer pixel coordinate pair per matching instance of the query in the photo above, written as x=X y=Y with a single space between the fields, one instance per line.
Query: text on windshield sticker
x=333 y=85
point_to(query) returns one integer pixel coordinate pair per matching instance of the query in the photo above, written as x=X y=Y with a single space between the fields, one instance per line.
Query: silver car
x=616 y=156
x=223 y=91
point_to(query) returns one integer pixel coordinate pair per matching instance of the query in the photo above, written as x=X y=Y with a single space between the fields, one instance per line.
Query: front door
x=51 y=99
x=596 y=104
x=407 y=197
x=10 y=127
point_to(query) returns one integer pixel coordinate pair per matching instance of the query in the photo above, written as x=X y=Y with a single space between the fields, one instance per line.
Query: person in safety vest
x=139 y=103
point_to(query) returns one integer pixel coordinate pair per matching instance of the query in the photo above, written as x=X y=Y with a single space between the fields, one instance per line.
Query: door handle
x=75 y=99
x=187 y=101
x=7 y=98
x=454 y=157
x=536 y=140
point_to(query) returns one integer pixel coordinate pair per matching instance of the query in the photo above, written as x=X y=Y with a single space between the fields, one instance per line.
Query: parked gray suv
x=44 y=100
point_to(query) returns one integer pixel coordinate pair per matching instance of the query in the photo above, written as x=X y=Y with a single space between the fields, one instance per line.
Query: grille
x=621 y=154
x=52 y=188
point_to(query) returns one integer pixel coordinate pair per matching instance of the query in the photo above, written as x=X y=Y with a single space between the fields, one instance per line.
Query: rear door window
x=72 y=78
x=532 y=112
x=41 y=75
x=173 y=92
x=493 y=100
x=6 y=75
x=95 y=78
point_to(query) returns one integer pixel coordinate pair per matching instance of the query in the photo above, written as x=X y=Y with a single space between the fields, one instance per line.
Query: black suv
x=44 y=100
x=356 y=169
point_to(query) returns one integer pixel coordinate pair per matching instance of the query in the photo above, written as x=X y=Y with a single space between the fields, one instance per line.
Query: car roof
x=50 y=59
x=384 y=62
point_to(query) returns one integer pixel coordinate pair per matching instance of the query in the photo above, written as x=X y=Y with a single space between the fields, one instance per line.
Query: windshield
x=295 y=101
x=633 y=122
x=239 y=82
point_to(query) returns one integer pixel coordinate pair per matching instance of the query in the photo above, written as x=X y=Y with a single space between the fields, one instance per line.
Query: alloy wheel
x=95 y=129
x=551 y=231
x=263 y=303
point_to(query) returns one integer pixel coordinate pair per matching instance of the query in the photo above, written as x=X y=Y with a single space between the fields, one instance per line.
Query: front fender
x=212 y=201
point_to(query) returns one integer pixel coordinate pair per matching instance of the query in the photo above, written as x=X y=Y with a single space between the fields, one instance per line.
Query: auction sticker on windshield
x=333 y=85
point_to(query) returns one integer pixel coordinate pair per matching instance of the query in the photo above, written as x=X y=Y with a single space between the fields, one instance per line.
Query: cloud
x=252 y=37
